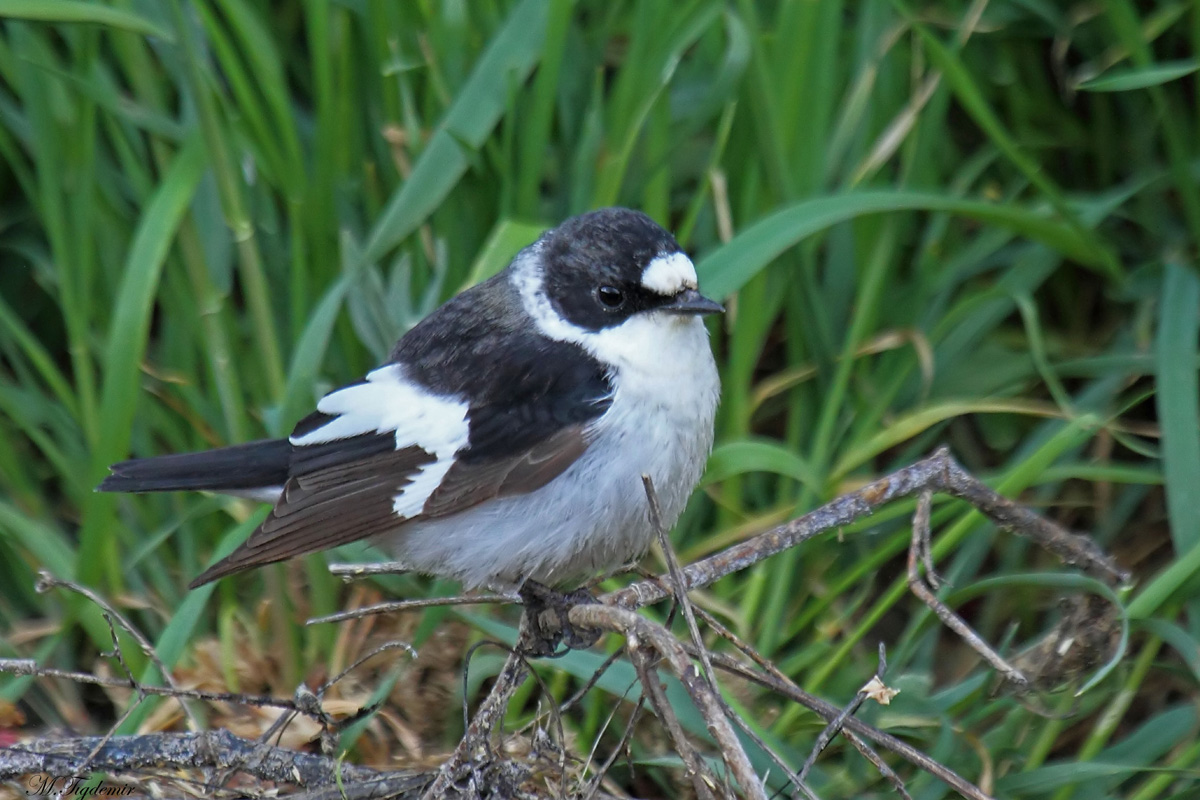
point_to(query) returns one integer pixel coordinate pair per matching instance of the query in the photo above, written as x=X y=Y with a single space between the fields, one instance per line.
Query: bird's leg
x=540 y=643
x=537 y=599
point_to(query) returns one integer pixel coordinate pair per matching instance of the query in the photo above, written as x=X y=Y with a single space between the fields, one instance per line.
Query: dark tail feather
x=254 y=465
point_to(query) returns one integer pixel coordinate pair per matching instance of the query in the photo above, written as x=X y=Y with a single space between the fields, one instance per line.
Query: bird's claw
x=542 y=641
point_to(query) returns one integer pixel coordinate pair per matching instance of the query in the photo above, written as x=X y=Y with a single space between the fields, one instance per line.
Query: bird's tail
x=247 y=469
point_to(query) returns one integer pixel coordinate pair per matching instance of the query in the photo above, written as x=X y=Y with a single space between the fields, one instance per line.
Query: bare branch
x=474 y=743
x=791 y=775
x=46 y=582
x=771 y=678
x=408 y=605
x=784 y=687
x=352 y=572
x=28 y=666
x=918 y=552
x=626 y=736
x=703 y=780
x=681 y=599
x=938 y=473
x=220 y=749
x=642 y=632
x=837 y=723
x=677 y=585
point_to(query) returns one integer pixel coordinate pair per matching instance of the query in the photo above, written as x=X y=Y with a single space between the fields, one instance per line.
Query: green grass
x=972 y=224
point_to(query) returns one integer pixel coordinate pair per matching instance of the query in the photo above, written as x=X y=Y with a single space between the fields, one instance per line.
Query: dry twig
x=400 y=606
x=836 y=724
x=777 y=681
x=938 y=473
x=140 y=754
x=919 y=552
x=643 y=633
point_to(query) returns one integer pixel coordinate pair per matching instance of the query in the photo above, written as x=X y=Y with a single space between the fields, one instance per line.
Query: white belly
x=594 y=515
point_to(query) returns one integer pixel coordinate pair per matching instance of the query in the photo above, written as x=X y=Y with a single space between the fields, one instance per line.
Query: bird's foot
x=543 y=640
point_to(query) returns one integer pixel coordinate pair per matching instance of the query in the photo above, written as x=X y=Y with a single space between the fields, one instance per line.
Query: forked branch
x=938 y=473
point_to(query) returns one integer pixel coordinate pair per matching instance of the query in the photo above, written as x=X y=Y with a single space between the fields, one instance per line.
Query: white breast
x=594 y=515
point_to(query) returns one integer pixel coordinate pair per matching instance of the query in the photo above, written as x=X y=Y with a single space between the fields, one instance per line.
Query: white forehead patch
x=669 y=275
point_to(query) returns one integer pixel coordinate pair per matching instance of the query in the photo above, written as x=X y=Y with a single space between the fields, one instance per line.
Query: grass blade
x=480 y=103
x=1176 y=348
x=1140 y=78
x=79 y=11
x=728 y=268
x=124 y=349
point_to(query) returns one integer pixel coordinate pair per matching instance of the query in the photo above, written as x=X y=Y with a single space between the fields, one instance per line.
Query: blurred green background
x=933 y=222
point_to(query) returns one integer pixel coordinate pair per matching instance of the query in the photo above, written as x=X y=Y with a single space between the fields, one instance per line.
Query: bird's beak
x=689 y=301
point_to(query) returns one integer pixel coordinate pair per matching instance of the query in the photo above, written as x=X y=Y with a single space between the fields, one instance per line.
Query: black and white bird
x=505 y=437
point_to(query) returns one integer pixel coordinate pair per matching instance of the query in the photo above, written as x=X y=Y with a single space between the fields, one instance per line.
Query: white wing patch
x=388 y=401
x=669 y=275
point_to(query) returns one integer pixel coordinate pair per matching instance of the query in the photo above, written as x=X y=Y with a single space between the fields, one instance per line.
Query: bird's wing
x=386 y=451
x=472 y=481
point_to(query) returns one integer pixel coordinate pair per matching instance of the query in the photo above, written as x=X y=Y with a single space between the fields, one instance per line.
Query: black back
x=521 y=385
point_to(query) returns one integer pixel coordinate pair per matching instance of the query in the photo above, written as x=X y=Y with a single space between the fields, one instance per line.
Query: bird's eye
x=611 y=296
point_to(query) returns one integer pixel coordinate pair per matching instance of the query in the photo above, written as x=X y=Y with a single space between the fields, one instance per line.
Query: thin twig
x=784 y=687
x=801 y=696
x=626 y=735
x=132 y=707
x=408 y=605
x=308 y=703
x=685 y=604
x=788 y=772
x=938 y=473
x=919 y=545
x=28 y=666
x=703 y=780
x=837 y=723
x=677 y=584
x=593 y=679
x=383 y=648
x=594 y=782
x=642 y=632
x=489 y=713
x=351 y=572
x=877 y=761
x=46 y=582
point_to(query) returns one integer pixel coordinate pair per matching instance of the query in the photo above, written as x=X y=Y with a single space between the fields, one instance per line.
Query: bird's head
x=603 y=268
